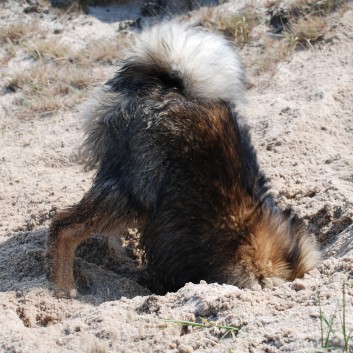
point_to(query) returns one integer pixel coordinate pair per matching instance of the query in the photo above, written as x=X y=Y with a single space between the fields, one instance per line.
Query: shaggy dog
x=173 y=161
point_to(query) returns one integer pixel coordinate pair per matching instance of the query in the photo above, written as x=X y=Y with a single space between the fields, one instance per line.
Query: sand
x=301 y=116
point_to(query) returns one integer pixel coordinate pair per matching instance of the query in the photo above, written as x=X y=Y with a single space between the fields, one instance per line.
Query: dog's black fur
x=184 y=172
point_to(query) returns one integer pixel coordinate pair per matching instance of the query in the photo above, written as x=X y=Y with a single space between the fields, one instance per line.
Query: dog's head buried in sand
x=173 y=161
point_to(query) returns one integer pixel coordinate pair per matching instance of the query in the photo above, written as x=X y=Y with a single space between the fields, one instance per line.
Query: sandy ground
x=302 y=126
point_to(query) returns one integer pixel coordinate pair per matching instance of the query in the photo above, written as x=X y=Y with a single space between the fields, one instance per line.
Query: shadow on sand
x=135 y=11
x=99 y=276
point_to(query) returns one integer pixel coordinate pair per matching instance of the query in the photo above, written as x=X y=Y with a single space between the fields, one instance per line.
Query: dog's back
x=172 y=160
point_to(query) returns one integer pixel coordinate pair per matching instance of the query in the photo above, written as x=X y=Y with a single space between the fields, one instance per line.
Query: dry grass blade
x=59 y=76
x=239 y=26
x=308 y=29
x=205 y=324
x=44 y=104
x=77 y=78
x=327 y=324
x=16 y=32
x=317 y=7
x=46 y=88
x=275 y=51
x=298 y=24
x=49 y=50
x=103 y=50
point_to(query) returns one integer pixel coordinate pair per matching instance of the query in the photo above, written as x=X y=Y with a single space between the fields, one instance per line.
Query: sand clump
x=301 y=115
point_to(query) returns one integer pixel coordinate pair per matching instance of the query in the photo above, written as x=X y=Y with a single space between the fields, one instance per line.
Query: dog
x=173 y=161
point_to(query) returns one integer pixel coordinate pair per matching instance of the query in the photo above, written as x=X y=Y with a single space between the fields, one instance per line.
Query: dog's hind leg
x=72 y=226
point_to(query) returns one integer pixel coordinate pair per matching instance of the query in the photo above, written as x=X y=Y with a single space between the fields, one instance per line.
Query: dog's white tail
x=206 y=63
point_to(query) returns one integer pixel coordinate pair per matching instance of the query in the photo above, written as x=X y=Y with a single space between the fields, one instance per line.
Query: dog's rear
x=173 y=161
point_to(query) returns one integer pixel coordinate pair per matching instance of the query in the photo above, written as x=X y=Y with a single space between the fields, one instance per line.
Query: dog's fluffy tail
x=206 y=64
x=200 y=65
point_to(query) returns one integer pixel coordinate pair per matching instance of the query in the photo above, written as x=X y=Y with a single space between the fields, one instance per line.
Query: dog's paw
x=271 y=282
x=67 y=293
